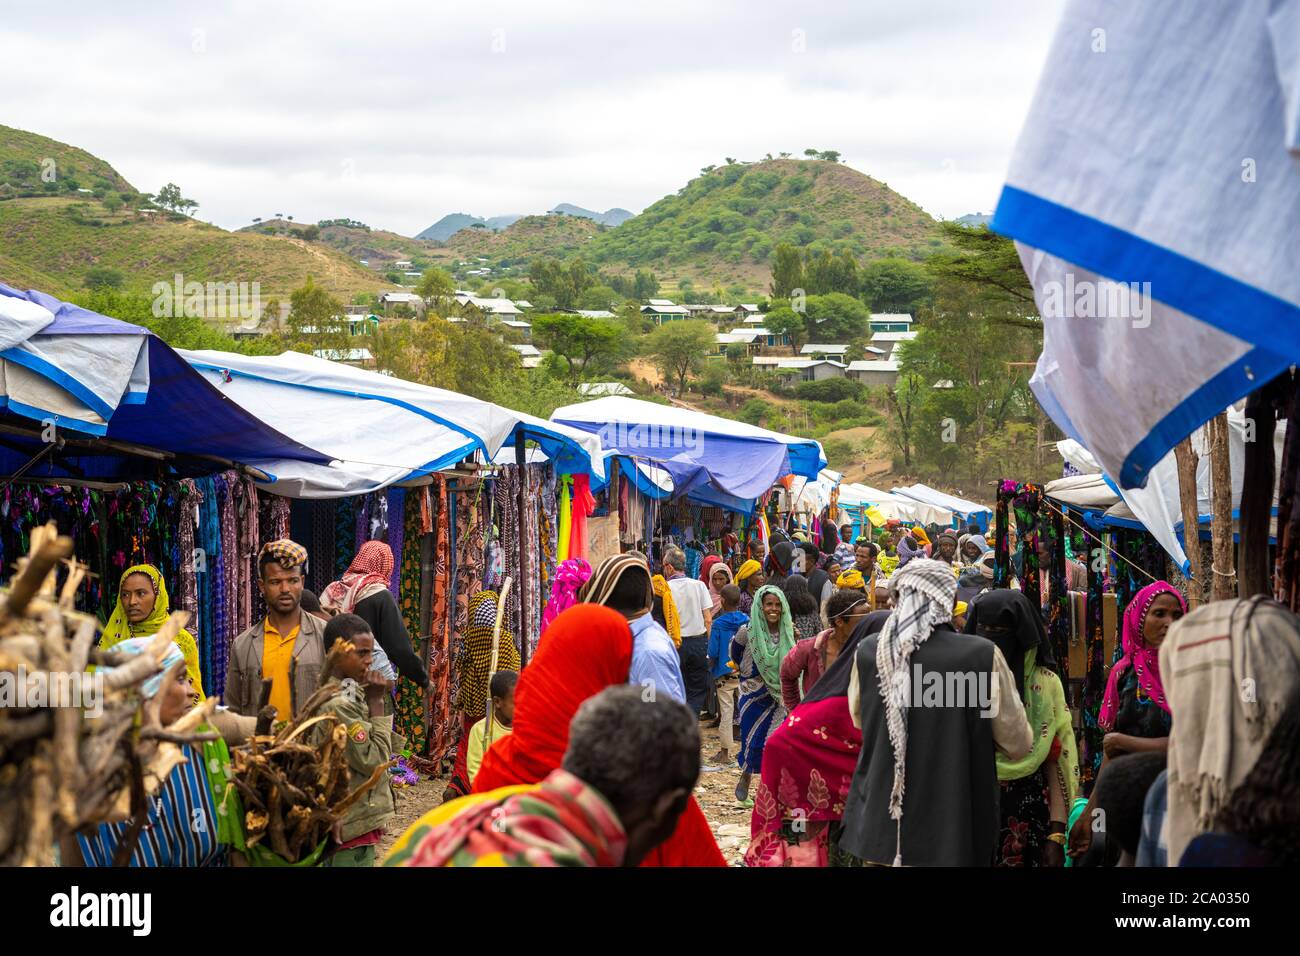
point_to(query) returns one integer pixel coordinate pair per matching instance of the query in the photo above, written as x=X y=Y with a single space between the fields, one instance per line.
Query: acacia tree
x=679 y=349
x=435 y=287
x=584 y=343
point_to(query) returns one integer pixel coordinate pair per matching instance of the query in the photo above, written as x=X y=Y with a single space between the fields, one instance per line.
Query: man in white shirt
x=695 y=612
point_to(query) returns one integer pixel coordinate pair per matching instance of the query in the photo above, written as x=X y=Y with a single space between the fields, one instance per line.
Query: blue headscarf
x=137 y=645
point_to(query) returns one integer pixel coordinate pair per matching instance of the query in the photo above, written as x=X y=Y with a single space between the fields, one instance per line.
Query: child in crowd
x=723 y=670
x=358 y=703
x=502 y=689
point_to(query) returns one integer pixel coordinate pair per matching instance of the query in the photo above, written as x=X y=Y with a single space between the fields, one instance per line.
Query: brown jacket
x=244 y=675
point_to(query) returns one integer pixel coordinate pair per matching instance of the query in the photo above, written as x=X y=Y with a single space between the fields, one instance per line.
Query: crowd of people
x=882 y=703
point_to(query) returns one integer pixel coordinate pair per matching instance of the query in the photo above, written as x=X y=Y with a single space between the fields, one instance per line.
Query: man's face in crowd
x=864 y=558
x=282 y=587
x=356 y=662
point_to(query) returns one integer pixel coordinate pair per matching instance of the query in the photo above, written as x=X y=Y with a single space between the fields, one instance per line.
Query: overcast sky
x=398 y=113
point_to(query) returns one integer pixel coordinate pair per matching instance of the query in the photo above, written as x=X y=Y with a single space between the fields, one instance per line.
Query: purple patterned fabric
x=395 y=504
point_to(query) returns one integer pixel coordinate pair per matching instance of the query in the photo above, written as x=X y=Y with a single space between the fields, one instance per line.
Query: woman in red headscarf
x=586 y=649
x=363 y=591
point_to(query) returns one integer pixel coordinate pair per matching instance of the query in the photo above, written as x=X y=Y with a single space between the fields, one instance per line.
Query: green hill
x=51 y=243
x=523 y=240
x=723 y=225
x=33 y=165
x=50 y=238
x=379 y=247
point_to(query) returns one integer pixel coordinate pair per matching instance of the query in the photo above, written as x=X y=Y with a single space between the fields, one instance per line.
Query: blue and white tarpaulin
x=379 y=429
x=1154 y=197
x=94 y=376
x=740 y=460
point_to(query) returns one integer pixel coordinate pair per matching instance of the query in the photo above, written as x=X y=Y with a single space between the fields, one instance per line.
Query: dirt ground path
x=715 y=792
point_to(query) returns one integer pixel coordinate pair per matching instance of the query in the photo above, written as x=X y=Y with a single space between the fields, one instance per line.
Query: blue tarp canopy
x=697 y=450
x=90 y=376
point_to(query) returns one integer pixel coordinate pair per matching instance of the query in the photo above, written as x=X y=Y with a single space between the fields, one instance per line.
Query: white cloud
x=397 y=113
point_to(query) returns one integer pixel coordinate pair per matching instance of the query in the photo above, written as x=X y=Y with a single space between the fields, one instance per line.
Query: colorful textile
x=1144 y=659
x=565 y=534
x=476 y=654
x=370 y=572
x=119 y=629
x=570 y=575
x=559 y=822
x=584 y=504
x=807 y=768
x=409 y=717
x=852 y=578
x=442 y=728
x=588 y=648
x=672 y=620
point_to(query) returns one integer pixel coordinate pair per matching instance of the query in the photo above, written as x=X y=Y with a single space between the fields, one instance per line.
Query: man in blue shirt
x=622 y=583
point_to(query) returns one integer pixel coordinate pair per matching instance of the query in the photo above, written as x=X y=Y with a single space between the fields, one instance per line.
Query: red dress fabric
x=583 y=505
x=585 y=650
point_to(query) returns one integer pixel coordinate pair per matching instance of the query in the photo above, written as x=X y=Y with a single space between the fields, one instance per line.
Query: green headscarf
x=768 y=658
x=1049 y=719
x=119 y=628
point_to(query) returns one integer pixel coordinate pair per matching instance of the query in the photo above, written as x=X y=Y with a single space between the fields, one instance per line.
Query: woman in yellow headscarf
x=142 y=608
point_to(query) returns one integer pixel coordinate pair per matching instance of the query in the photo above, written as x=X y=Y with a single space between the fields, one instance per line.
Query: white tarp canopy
x=380 y=430
x=960 y=507
x=1158 y=505
x=897 y=507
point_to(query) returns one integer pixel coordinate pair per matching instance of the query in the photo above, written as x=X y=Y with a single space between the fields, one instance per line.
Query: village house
x=874 y=373
x=813 y=350
x=891 y=322
x=889 y=341
x=392 y=300
x=809 y=370
x=361 y=358
x=529 y=355
x=663 y=310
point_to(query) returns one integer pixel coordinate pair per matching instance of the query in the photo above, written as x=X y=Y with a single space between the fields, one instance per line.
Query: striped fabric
x=181 y=828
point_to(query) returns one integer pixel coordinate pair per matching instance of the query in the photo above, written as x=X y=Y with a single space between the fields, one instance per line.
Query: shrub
x=830 y=390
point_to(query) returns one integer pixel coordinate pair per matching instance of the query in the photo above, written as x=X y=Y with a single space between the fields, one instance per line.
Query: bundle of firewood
x=294 y=791
x=76 y=749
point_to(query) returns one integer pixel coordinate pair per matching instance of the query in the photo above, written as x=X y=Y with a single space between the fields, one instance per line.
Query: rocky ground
x=715 y=792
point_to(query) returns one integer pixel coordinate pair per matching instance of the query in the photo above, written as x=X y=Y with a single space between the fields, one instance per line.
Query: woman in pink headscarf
x=717 y=576
x=569 y=576
x=1134 y=712
x=364 y=591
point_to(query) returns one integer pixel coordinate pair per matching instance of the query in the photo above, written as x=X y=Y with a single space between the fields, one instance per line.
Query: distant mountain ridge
x=449 y=225
x=610 y=217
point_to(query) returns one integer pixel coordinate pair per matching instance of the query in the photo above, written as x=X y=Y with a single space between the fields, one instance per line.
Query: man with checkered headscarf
x=285 y=647
x=933 y=705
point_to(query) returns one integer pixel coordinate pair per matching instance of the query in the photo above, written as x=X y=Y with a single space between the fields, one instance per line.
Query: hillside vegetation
x=530 y=237
x=52 y=244
x=31 y=164
x=723 y=225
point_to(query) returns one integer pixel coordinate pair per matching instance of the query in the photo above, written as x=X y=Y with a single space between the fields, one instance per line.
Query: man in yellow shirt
x=286 y=647
x=502 y=688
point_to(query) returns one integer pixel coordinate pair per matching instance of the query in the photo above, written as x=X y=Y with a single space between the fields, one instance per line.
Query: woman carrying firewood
x=190 y=822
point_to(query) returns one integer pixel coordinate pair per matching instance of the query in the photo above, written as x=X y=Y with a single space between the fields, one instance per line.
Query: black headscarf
x=835 y=682
x=817 y=578
x=778 y=561
x=1009 y=619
